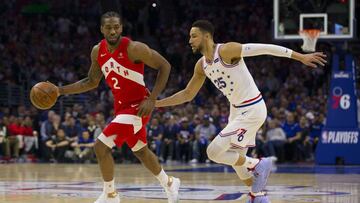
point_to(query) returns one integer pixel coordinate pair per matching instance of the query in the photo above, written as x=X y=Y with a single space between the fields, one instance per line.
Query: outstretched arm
x=233 y=50
x=90 y=82
x=189 y=92
x=140 y=52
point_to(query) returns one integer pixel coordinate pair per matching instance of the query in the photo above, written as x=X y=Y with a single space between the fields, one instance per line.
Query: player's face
x=111 y=29
x=196 y=40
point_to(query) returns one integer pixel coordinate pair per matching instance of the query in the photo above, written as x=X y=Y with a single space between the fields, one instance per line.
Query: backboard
x=334 y=18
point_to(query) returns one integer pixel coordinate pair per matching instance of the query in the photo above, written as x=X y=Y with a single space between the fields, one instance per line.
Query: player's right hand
x=314 y=59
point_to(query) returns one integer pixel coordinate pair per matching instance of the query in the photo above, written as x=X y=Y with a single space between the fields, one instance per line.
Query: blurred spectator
x=315 y=130
x=30 y=136
x=84 y=147
x=14 y=131
x=56 y=147
x=204 y=134
x=275 y=141
x=4 y=143
x=183 y=144
x=71 y=128
x=155 y=133
x=169 y=138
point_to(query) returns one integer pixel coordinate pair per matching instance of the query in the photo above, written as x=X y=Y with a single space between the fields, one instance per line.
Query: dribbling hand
x=314 y=59
x=57 y=88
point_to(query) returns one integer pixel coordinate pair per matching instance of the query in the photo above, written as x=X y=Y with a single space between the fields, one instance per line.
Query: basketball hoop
x=310 y=37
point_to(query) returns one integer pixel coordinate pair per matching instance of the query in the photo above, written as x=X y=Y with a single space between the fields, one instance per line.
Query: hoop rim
x=312 y=33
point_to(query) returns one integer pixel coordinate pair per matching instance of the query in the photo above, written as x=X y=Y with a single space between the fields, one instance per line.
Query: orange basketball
x=43 y=95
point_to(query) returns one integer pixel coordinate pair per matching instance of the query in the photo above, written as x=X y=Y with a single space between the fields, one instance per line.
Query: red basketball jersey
x=125 y=78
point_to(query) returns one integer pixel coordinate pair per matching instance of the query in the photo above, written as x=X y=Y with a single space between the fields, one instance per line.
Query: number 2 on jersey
x=220 y=83
x=116 y=83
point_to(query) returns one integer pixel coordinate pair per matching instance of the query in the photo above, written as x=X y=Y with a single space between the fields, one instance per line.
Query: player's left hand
x=146 y=107
x=314 y=59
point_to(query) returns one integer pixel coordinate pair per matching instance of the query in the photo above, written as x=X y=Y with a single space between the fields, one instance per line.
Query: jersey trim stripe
x=235 y=146
x=225 y=64
x=248 y=104
x=250 y=100
x=229 y=133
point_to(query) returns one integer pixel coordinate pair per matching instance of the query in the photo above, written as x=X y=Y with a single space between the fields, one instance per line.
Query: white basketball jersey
x=233 y=80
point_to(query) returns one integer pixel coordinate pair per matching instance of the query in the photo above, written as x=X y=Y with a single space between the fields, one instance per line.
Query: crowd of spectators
x=56 y=46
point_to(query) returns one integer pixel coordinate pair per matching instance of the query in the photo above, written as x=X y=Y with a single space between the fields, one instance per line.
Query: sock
x=109 y=187
x=250 y=162
x=163 y=178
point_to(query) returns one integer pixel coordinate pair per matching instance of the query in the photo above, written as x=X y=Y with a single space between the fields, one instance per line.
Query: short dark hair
x=205 y=26
x=110 y=14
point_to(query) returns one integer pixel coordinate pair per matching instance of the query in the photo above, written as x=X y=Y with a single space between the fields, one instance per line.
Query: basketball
x=43 y=95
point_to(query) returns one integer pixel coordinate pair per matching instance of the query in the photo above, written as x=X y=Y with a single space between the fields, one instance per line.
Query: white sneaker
x=108 y=198
x=172 y=191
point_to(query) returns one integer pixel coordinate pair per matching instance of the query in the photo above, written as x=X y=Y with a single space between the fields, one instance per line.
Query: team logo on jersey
x=187 y=192
x=120 y=56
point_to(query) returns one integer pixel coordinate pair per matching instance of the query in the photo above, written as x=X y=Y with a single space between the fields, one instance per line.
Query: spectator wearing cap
x=204 y=133
x=183 y=144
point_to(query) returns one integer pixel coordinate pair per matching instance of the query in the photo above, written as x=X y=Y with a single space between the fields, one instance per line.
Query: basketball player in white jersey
x=223 y=64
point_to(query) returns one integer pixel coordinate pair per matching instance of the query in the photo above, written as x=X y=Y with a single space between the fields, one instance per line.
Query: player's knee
x=212 y=152
x=141 y=152
x=100 y=149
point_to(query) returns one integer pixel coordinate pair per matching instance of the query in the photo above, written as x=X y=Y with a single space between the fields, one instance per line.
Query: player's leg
x=242 y=172
x=151 y=162
x=240 y=133
x=103 y=145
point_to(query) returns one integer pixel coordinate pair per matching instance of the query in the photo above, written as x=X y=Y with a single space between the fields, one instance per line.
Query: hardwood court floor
x=74 y=183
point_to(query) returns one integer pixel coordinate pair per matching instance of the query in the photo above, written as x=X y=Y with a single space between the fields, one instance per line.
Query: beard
x=112 y=42
x=198 y=50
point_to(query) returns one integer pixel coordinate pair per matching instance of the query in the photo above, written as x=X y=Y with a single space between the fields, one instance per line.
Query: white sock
x=250 y=162
x=109 y=187
x=163 y=178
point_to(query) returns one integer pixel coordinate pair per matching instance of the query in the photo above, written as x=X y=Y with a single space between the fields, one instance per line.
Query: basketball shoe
x=172 y=190
x=108 y=198
x=261 y=174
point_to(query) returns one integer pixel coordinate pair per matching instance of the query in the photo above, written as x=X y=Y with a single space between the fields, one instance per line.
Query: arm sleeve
x=265 y=49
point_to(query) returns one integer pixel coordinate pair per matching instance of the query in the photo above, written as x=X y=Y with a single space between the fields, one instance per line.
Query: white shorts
x=243 y=124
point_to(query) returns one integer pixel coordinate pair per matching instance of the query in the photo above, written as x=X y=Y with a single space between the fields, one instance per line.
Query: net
x=310 y=37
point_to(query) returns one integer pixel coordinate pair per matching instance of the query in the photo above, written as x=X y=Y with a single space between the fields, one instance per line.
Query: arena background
x=51 y=41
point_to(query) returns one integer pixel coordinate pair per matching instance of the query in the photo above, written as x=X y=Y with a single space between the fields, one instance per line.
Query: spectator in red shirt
x=30 y=136
x=14 y=130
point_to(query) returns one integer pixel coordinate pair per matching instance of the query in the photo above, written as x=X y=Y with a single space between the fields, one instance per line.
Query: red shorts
x=125 y=127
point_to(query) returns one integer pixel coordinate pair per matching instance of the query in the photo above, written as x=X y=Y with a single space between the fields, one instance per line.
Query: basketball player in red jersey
x=122 y=61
